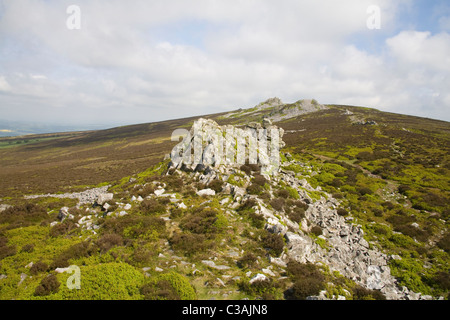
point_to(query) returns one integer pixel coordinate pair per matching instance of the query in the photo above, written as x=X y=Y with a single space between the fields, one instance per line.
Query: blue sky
x=142 y=61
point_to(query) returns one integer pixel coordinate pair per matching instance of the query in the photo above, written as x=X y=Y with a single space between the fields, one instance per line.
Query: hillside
x=358 y=209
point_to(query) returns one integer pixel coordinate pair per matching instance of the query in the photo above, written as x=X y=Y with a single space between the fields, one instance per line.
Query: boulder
x=63 y=213
x=104 y=197
x=258 y=277
x=206 y=192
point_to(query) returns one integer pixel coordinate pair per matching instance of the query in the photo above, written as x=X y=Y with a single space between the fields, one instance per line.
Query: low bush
x=152 y=207
x=216 y=185
x=274 y=243
x=169 y=286
x=5 y=249
x=283 y=193
x=259 y=180
x=76 y=251
x=106 y=281
x=248 y=260
x=266 y=289
x=254 y=189
x=277 y=204
x=342 y=212
x=189 y=244
x=63 y=228
x=364 y=190
x=136 y=227
x=202 y=222
x=108 y=241
x=247 y=205
x=308 y=280
x=444 y=242
x=48 y=285
x=38 y=267
x=246 y=169
x=296 y=214
x=316 y=230
x=23 y=215
x=361 y=293
x=159 y=290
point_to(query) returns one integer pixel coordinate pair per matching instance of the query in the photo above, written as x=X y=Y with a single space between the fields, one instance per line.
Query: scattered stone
x=206 y=192
x=213 y=265
x=258 y=277
x=3 y=207
x=104 y=197
x=63 y=213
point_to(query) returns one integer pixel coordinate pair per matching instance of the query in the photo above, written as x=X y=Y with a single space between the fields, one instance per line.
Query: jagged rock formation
x=209 y=145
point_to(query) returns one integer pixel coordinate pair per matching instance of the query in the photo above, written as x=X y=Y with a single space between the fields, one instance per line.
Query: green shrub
x=159 y=290
x=283 y=193
x=246 y=169
x=136 y=227
x=76 y=251
x=5 y=249
x=296 y=214
x=216 y=185
x=307 y=278
x=248 y=260
x=277 y=204
x=38 y=267
x=342 y=212
x=189 y=244
x=361 y=293
x=444 y=242
x=180 y=284
x=48 y=285
x=266 y=289
x=108 y=281
x=108 y=241
x=202 y=222
x=63 y=228
x=152 y=206
x=274 y=243
x=316 y=230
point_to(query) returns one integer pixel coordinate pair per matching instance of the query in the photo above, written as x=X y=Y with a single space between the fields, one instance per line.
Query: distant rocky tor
x=280 y=111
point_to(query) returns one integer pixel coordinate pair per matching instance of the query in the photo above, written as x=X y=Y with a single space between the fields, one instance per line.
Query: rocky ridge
x=342 y=246
x=346 y=249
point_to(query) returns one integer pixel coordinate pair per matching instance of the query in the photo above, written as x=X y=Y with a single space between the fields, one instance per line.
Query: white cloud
x=4 y=85
x=119 y=65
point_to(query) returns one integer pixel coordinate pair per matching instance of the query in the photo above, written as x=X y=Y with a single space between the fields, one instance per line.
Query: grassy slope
x=388 y=176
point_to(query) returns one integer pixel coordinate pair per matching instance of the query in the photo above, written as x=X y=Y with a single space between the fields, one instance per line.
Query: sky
x=116 y=62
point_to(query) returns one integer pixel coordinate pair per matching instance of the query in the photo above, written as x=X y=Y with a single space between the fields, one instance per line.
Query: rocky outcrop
x=342 y=245
x=208 y=145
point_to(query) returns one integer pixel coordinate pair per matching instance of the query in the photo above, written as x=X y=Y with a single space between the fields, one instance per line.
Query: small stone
x=206 y=192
